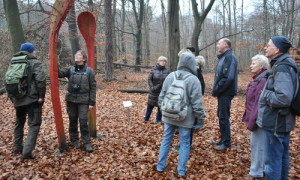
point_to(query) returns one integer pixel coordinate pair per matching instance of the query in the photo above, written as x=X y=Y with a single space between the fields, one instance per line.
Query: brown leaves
x=130 y=146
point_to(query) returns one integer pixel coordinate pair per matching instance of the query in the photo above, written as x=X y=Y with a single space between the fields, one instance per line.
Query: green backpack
x=16 y=77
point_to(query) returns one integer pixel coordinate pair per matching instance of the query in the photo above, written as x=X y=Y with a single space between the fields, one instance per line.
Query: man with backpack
x=180 y=101
x=29 y=101
x=274 y=113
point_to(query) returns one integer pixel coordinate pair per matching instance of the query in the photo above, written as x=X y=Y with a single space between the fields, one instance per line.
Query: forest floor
x=129 y=147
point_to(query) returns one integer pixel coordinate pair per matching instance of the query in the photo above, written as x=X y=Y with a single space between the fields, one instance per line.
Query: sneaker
x=176 y=149
x=88 y=148
x=221 y=147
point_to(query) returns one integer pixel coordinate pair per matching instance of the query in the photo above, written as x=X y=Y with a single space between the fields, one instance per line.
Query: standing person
x=274 y=115
x=31 y=104
x=259 y=69
x=225 y=88
x=81 y=97
x=156 y=79
x=200 y=62
x=186 y=68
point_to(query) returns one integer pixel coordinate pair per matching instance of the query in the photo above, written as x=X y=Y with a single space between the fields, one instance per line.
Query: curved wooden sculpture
x=59 y=12
x=87 y=26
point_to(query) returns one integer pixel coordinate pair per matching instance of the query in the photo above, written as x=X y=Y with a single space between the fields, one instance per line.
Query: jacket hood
x=22 y=53
x=187 y=62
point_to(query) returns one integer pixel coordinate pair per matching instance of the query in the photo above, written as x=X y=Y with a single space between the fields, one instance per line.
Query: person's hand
x=197 y=127
x=40 y=100
x=91 y=107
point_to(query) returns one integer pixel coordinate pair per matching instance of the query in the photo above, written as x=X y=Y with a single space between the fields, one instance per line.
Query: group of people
x=267 y=108
x=80 y=97
x=267 y=114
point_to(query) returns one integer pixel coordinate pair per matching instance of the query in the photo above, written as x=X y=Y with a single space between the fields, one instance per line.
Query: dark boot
x=85 y=135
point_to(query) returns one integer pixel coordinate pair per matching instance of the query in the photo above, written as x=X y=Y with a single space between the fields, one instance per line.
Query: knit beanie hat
x=27 y=47
x=282 y=43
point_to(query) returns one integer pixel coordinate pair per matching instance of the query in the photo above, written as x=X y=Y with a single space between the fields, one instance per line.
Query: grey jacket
x=37 y=87
x=187 y=65
x=274 y=102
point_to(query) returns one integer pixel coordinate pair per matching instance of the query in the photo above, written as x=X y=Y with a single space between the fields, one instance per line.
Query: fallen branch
x=134 y=90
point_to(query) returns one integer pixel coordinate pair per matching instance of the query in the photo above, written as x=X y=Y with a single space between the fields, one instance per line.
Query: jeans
x=149 y=111
x=34 y=112
x=184 y=151
x=277 y=158
x=257 y=144
x=224 y=103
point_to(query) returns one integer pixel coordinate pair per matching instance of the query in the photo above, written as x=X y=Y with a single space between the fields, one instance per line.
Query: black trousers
x=34 y=112
x=224 y=104
x=78 y=112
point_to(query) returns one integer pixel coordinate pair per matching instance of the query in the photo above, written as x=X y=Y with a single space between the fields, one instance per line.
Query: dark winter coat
x=275 y=100
x=254 y=90
x=156 y=79
x=201 y=79
x=86 y=94
x=226 y=75
x=37 y=87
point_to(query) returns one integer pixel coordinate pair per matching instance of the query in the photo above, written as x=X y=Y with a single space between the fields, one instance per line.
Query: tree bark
x=139 y=17
x=109 y=40
x=71 y=19
x=199 y=20
x=14 y=24
x=174 y=33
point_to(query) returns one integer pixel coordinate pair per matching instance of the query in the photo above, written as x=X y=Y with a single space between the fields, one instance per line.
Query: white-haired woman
x=259 y=69
x=200 y=62
x=156 y=79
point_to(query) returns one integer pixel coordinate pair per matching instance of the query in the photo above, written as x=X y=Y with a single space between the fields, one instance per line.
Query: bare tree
x=74 y=41
x=139 y=17
x=109 y=40
x=14 y=23
x=174 y=33
x=199 y=19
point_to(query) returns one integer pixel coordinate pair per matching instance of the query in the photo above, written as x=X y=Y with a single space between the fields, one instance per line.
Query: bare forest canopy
x=141 y=28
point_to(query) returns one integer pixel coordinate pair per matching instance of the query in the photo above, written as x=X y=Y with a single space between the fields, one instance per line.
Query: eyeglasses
x=78 y=55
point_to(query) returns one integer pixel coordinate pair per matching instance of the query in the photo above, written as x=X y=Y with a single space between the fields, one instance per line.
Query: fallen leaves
x=130 y=146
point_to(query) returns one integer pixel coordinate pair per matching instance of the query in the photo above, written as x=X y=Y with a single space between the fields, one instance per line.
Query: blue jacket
x=226 y=75
x=274 y=102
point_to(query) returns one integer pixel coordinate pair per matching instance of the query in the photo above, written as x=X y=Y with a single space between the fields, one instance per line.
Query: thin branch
x=125 y=31
x=226 y=37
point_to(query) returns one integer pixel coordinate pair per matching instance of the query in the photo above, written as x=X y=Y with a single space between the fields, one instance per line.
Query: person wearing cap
x=156 y=79
x=225 y=88
x=274 y=116
x=30 y=105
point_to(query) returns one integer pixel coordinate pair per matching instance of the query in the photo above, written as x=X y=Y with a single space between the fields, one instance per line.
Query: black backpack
x=295 y=105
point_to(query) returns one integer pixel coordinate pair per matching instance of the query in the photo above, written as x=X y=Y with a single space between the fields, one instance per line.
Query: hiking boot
x=88 y=148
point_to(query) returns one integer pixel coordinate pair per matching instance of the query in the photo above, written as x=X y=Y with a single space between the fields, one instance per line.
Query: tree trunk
x=123 y=45
x=109 y=40
x=14 y=24
x=147 y=20
x=139 y=17
x=174 y=33
x=199 y=20
x=71 y=19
